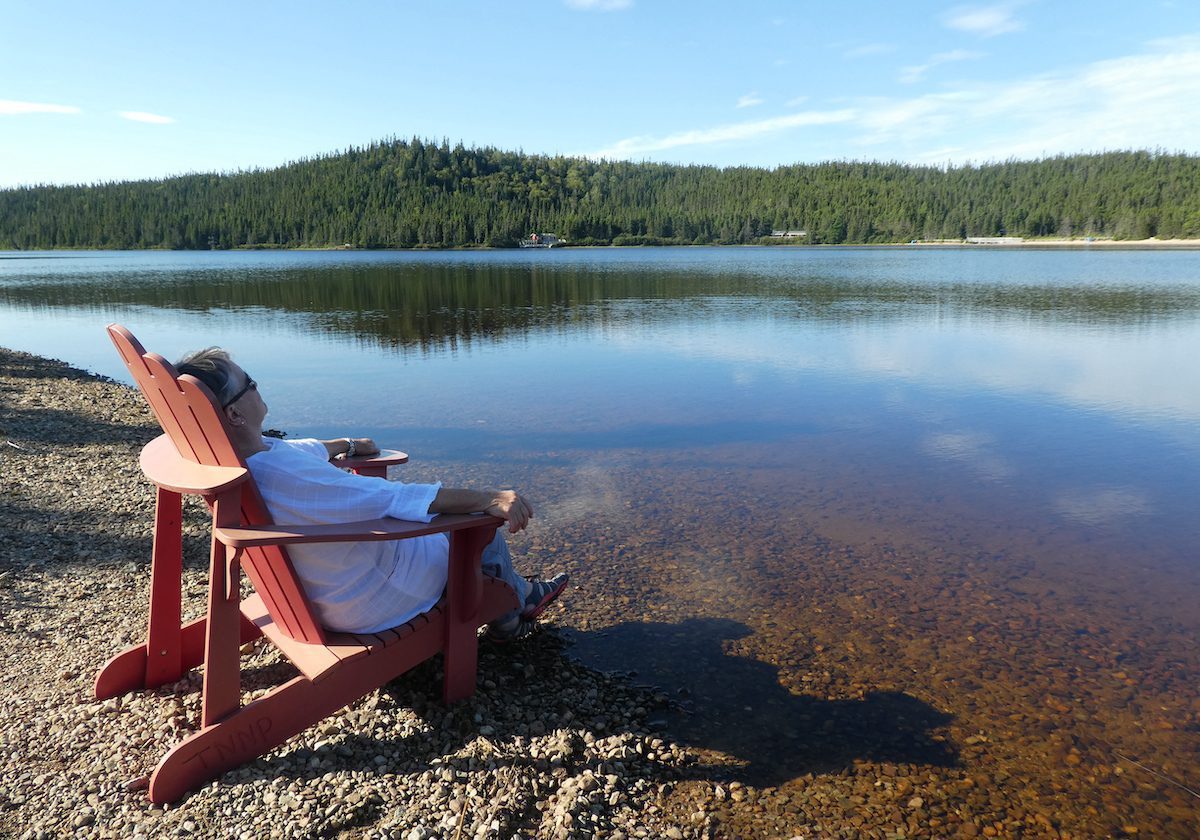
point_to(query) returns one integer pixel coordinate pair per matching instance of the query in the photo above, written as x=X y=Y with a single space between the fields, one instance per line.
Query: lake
x=848 y=509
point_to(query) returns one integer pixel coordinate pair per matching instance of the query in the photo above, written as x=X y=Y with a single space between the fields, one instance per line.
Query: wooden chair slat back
x=270 y=570
x=134 y=356
x=192 y=418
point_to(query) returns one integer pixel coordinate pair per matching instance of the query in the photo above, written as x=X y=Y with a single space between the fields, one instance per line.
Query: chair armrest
x=382 y=458
x=370 y=530
x=162 y=464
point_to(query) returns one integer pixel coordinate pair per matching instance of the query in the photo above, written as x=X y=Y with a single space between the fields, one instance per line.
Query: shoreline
x=1152 y=244
x=1046 y=243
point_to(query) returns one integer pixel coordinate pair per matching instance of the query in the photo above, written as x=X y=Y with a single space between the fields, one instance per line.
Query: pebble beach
x=546 y=747
x=850 y=700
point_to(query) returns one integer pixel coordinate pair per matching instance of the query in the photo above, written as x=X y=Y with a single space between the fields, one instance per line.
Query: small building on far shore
x=789 y=234
x=542 y=240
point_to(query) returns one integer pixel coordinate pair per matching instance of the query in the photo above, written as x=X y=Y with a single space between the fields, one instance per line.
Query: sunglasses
x=250 y=385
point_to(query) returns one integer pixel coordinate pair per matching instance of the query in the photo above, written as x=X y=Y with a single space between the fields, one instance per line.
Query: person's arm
x=503 y=503
x=341 y=446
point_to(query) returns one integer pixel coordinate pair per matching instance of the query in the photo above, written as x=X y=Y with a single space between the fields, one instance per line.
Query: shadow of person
x=736 y=705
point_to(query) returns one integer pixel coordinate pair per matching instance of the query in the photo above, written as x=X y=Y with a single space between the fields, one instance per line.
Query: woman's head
x=214 y=367
x=237 y=393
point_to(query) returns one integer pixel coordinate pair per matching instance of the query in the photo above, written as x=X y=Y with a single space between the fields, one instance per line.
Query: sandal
x=513 y=630
x=542 y=594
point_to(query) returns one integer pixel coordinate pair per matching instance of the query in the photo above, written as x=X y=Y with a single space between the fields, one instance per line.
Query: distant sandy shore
x=1056 y=242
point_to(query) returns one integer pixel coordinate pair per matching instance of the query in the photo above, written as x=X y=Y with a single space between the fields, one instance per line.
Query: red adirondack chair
x=195 y=456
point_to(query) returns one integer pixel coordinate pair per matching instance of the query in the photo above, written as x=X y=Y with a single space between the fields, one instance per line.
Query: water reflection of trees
x=430 y=305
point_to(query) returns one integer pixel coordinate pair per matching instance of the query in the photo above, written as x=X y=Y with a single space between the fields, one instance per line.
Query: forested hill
x=416 y=193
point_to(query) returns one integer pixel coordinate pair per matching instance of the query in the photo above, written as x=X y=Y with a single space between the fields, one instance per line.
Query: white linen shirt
x=355 y=587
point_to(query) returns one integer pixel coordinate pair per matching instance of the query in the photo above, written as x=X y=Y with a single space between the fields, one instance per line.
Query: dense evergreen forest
x=414 y=193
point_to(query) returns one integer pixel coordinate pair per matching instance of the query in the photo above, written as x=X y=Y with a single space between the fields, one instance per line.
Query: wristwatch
x=349 y=447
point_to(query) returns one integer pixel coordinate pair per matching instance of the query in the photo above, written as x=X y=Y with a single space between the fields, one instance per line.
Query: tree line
x=416 y=193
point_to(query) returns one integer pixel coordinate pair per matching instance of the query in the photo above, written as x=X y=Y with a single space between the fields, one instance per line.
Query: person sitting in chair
x=364 y=587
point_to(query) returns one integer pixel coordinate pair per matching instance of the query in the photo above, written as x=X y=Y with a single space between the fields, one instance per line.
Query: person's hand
x=338 y=448
x=509 y=506
x=365 y=446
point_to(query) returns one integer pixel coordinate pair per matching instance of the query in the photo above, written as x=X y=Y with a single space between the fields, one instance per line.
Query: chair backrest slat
x=191 y=417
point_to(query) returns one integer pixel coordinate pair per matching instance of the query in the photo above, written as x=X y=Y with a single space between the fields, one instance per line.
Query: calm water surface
x=810 y=492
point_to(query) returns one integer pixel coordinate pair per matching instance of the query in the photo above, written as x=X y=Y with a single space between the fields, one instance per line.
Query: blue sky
x=98 y=92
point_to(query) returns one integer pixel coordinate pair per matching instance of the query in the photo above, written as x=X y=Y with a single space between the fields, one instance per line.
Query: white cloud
x=1140 y=101
x=142 y=116
x=10 y=107
x=868 y=49
x=721 y=134
x=1177 y=43
x=749 y=100
x=910 y=121
x=599 y=5
x=796 y=102
x=987 y=21
x=1137 y=101
x=916 y=72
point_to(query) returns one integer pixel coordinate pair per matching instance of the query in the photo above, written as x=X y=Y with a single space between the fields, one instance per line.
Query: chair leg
x=463 y=594
x=126 y=671
x=171 y=649
x=242 y=736
x=267 y=722
x=222 y=666
x=164 y=663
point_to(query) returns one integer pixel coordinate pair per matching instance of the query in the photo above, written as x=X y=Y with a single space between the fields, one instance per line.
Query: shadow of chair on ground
x=740 y=709
x=736 y=705
x=526 y=690
x=55 y=427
